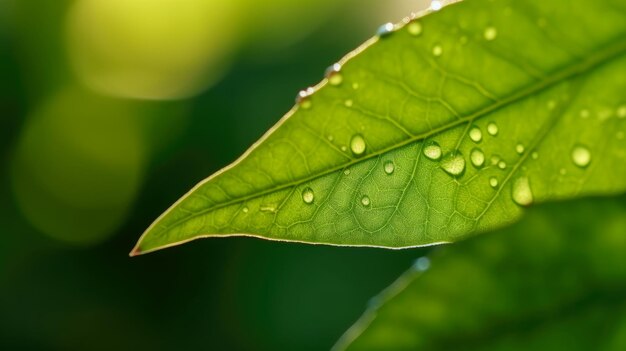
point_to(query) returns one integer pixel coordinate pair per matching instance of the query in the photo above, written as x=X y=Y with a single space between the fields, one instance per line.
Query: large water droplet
x=308 y=196
x=437 y=50
x=357 y=145
x=414 y=28
x=475 y=134
x=521 y=193
x=492 y=129
x=477 y=157
x=435 y=5
x=490 y=33
x=519 y=148
x=432 y=151
x=453 y=163
x=385 y=30
x=581 y=156
x=389 y=167
x=333 y=74
x=493 y=181
x=365 y=200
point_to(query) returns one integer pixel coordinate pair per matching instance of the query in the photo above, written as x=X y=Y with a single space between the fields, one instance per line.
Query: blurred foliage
x=554 y=281
x=69 y=152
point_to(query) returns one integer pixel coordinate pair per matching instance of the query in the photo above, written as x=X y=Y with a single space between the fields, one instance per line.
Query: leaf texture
x=447 y=125
x=554 y=281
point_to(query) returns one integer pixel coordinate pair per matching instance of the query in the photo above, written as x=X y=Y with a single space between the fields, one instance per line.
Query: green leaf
x=531 y=92
x=554 y=281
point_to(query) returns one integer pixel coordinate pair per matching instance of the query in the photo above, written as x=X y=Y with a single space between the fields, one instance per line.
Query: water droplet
x=333 y=74
x=534 y=155
x=502 y=165
x=621 y=111
x=308 y=196
x=365 y=200
x=453 y=163
x=348 y=103
x=385 y=30
x=389 y=167
x=344 y=148
x=522 y=194
x=584 y=113
x=581 y=156
x=331 y=138
x=475 y=134
x=492 y=129
x=421 y=264
x=414 y=28
x=245 y=209
x=477 y=157
x=432 y=151
x=495 y=159
x=435 y=5
x=490 y=33
x=346 y=172
x=355 y=86
x=493 y=181
x=437 y=50
x=304 y=98
x=357 y=145
x=519 y=148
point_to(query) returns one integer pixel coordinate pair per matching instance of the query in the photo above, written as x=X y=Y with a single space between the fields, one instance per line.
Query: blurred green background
x=109 y=112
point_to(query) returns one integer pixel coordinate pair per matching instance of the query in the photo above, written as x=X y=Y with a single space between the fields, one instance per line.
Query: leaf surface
x=447 y=126
x=554 y=281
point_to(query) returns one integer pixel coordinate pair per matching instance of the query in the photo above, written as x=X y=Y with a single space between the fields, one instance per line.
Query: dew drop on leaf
x=357 y=145
x=519 y=148
x=348 y=103
x=346 y=171
x=534 y=155
x=493 y=181
x=477 y=157
x=453 y=163
x=475 y=134
x=333 y=74
x=365 y=200
x=303 y=99
x=385 y=30
x=521 y=193
x=421 y=264
x=414 y=28
x=308 y=196
x=245 y=209
x=492 y=129
x=435 y=5
x=389 y=167
x=495 y=159
x=432 y=151
x=502 y=165
x=490 y=33
x=581 y=156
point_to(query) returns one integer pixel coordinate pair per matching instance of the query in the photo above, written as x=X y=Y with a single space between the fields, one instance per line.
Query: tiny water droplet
x=421 y=264
x=432 y=151
x=385 y=30
x=492 y=128
x=308 y=196
x=331 y=138
x=435 y=5
x=437 y=50
x=519 y=148
x=365 y=200
x=346 y=171
x=348 y=103
x=357 y=145
x=389 y=167
x=495 y=159
x=355 y=86
x=475 y=134
x=521 y=192
x=584 y=113
x=493 y=181
x=414 y=28
x=477 y=157
x=333 y=74
x=502 y=165
x=344 y=148
x=490 y=33
x=304 y=98
x=534 y=155
x=581 y=156
x=621 y=112
x=245 y=209
x=453 y=163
